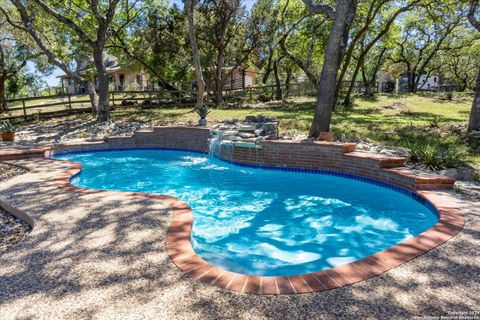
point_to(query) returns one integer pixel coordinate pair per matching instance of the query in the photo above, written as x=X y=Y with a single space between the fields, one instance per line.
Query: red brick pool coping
x=182 y=254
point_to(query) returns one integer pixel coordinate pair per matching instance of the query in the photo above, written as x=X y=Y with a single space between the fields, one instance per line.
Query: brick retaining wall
x=182 y=138
x=338 y=157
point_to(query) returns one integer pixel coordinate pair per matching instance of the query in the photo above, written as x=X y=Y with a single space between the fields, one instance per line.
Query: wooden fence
x=64 y=104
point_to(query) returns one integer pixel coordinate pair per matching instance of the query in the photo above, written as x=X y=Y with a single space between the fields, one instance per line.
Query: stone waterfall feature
x=248 y=133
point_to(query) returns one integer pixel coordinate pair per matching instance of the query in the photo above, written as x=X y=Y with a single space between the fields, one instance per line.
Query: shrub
x=348 y=103
x=202 y=111
x=435 y=122
x=368 y=111
x=408 y=112
x=7 y=126
x=435 y=157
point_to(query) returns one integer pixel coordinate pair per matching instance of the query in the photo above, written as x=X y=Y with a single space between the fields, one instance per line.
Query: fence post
x=113 y=99
x=69 y=102
x=24 y=110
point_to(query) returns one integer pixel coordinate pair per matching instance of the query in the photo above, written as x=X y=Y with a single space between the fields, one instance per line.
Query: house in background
x=122 y=78
x=425 y=82
x=386 y=82
x=389 y=83
x=428 y=82
x=240 y=79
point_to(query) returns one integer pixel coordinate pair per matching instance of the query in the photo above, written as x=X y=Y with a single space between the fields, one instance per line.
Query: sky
x=53 y=81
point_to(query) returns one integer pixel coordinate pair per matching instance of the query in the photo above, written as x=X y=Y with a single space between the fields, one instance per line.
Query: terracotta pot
x=326 y=136
x=8 y=136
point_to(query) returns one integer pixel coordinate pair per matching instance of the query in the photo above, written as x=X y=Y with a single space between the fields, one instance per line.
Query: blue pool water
x=259 y=221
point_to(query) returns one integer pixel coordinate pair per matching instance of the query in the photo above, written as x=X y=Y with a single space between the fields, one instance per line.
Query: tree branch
x=471 y=14
x=66 y=21
x=123 y=46
x=29 y=27
x=319 y=8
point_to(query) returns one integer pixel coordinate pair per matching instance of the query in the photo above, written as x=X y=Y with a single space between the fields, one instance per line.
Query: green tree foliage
x=157 y=41
x=334 y=45
x=228 y=38
x=425 y=33
x=61 y=30
x=458 y=66
x=15 y=51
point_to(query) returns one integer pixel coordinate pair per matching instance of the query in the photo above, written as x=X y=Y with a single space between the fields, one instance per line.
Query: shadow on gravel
x=85 y=245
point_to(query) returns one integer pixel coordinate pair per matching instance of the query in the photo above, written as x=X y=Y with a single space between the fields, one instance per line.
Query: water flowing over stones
x=248 y=133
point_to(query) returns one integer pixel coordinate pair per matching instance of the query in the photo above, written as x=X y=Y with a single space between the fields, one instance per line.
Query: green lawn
x=388 y=119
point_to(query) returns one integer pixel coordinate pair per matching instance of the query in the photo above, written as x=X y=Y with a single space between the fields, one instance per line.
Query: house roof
x=111 y=62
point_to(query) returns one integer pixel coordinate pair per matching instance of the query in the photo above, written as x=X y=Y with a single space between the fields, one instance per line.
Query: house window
x=434 y=79
x=70 y=82
x=139 y=79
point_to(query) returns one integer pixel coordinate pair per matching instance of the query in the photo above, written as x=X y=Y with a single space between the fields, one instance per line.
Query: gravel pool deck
x=103 y=257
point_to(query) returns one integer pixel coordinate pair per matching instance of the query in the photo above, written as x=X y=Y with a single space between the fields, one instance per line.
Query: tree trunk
x=368 y=89
x=189 y=6
x=93 y=97
x=219 y=80
x=412 y=81
x=474 y=122
x=278 y=83
x=103 y=110
x=288 y=79
x=346 y=100
x=3 y=99
x=367 y=83
x=345 y=11
x=268 y=69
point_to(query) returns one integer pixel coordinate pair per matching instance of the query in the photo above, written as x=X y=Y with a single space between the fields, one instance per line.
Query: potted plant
x=7 y=130
x=326 y=136
x=202 y=112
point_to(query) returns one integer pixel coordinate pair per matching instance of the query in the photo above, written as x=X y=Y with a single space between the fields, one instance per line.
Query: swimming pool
x=259 y=221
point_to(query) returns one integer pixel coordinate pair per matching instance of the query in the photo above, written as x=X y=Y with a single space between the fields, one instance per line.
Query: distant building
x=122 y=77
x=240 y=79
x=425 y=82
x=386 y=83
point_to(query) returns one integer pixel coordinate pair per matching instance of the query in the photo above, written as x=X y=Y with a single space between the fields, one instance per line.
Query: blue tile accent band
x=122 y=149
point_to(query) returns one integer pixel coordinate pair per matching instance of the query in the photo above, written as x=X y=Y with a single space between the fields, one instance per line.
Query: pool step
x=423 y=180
x=384 y=161
x=22 y=153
